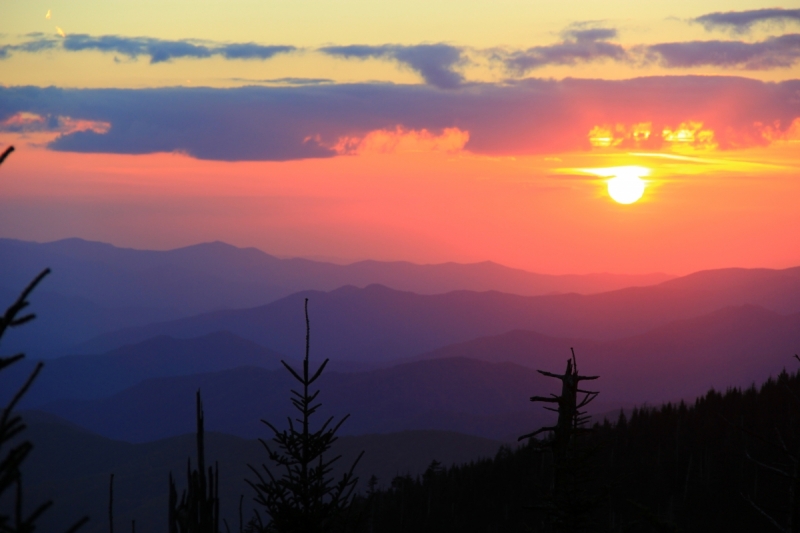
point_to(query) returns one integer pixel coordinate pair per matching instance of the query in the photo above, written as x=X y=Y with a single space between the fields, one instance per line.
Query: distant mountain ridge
x=377 y=324
x=234 y=277
x=101 y=288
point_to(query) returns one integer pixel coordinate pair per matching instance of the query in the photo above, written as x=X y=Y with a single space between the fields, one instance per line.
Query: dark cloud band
x=284 y=123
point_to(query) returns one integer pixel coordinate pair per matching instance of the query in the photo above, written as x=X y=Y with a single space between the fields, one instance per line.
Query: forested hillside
x=727 y=462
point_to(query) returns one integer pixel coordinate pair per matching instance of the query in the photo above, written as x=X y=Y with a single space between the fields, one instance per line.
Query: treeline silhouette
x=727 y=462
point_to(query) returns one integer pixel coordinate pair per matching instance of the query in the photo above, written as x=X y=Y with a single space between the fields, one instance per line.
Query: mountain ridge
x=379 y=324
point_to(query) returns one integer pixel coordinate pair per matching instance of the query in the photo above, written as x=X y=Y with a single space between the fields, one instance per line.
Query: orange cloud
x=384 y=141
x=773 y=133
x=71 y=125
x=640 y=135
x=23 y=120
x=690 y=134
x=27 y=122
x=635 y=135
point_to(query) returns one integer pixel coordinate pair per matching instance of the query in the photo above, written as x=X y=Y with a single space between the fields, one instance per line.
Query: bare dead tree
x=568 y=501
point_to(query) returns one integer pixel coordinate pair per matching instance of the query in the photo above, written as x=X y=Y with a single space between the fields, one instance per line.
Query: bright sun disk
x=625 y=185
x=626 y=189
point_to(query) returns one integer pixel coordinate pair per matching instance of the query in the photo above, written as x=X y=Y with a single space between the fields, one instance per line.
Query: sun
x=625 y=188
x=625 y=185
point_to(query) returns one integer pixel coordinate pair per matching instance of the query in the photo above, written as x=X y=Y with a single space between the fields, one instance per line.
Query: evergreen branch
x=319 y=371
x=6 y=153
x=77 y=525
x=538 y=431
x=20 y=393
x=8 y=361
x=290 y=369
x=764 y=513
x=10 y=318
x=768 y=467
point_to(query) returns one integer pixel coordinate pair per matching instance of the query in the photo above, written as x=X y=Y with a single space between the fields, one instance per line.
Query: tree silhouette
x=305 y=497
x=569 y=502
x=787 y=466
x=11 y=425
x=198 y=510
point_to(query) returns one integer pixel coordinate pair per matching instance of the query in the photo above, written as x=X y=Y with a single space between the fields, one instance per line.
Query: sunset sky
x=423 y=131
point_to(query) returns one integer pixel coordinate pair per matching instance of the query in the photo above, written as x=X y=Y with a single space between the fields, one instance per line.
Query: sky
x=421 y=131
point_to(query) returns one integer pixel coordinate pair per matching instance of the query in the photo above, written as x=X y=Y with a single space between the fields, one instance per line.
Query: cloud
x=158 y=50
x=24 y=122
x=434 y=62
x=39 y=44
x=582 y=34
x=532 y=116
x=579 y=46
x=774 y=52
x=689 y=134
x=743 y=21
x=286 y=81
x=399 y=140
x=438 y=64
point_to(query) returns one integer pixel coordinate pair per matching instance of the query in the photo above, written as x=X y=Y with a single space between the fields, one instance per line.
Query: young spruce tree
x=299 y=494
x=198 y=509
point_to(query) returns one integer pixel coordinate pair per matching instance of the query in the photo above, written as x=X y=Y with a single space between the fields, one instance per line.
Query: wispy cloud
x=286 y=81
x=40 y=43
x=439 y=64
x=160 y=50
x=774 y=52
x=743 y=21
x=579 y=45
x=436 y=63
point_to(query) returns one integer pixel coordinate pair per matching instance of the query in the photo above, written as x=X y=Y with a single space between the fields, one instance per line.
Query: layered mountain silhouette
x=731 y=347
x=213 y=275
x=97 y=288
x=478 y=387
x=97 y=376
x=463 y=395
